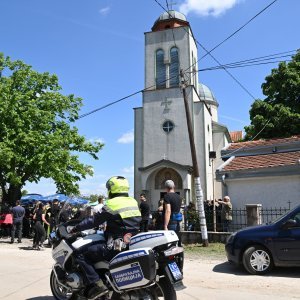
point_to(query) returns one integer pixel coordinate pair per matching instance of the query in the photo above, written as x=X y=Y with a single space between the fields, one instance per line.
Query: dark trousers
x=175 y=225
x=87 y=257
x=39 y=234
x=144 y=226
x=17 y=228
x=226 y=224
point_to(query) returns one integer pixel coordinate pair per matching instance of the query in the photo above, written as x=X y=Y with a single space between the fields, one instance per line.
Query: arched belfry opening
x=166 y=174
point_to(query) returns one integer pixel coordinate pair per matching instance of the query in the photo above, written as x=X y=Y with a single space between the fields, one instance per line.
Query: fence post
x=253 y=214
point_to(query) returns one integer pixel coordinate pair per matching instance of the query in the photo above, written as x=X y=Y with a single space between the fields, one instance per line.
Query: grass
x=213 y=251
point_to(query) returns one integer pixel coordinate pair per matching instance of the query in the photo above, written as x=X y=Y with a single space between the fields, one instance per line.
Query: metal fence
x=239 y=218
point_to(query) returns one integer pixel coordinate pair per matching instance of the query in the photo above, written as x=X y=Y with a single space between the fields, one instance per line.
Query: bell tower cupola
x=170 y=19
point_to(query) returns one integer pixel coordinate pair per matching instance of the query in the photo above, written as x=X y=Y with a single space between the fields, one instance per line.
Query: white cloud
x=129 y=170
x=207 y=7
x=127 y=137
x=104 y=11
x=96 y=139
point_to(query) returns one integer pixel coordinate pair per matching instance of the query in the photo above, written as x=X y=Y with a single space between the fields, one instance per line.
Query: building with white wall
x=162 y=148
x=263 y=172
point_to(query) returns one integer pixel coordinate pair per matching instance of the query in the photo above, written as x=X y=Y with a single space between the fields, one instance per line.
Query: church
x=161 y=141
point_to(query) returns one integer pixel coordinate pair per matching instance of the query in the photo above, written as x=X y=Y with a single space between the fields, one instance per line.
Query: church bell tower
x=162 y=149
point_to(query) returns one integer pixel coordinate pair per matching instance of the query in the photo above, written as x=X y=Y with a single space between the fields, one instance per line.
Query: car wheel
x=257 y=260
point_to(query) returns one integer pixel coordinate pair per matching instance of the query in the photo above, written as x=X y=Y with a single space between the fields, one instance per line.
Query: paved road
x=24 y=274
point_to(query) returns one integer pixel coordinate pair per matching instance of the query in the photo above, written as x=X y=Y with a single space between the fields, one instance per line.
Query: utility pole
x=198 y=189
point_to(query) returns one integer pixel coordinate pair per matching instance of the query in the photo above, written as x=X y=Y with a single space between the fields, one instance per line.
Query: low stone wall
x=193 y=237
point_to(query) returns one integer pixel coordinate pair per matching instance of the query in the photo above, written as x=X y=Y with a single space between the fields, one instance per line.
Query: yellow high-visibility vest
x=126 y=207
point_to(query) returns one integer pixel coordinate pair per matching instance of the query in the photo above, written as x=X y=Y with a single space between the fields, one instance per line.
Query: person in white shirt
x=99 y=206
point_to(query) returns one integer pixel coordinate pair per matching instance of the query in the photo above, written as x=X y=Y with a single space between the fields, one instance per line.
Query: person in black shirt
x=145 y=212
x=18 y=213
x=40 y=233
x=172 y=204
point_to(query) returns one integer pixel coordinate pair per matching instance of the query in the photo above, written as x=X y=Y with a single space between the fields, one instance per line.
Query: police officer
x=122 y=216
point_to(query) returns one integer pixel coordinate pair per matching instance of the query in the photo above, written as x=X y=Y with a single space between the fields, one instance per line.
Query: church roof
x=171 y=14
x=263 y=161
x=264 y=143
x=206 y=94
x=170 y=19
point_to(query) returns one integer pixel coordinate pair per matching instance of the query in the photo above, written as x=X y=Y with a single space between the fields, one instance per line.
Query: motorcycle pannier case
x=133 y=268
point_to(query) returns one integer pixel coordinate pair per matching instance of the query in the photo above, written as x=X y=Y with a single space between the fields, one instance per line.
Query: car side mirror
x=289 y=224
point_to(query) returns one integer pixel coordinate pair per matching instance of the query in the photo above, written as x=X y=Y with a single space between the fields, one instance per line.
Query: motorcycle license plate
x=175 y=271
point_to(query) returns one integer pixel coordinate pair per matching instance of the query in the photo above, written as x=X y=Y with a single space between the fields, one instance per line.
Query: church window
x=174 y=68
x=160 y=70
x=168 y=126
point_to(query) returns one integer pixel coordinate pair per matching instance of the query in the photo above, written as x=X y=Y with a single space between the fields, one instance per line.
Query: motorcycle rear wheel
x=59 y=292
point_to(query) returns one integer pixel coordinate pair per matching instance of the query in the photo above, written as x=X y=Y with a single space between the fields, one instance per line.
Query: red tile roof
x=258 y=143
x=263 y=161
x=236 y=135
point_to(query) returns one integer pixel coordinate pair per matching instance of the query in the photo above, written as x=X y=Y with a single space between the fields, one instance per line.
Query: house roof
x=236 y=135
x=261 y=143
x=262 y=161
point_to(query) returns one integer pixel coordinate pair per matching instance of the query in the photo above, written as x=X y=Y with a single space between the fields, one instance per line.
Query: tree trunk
x=12 y=195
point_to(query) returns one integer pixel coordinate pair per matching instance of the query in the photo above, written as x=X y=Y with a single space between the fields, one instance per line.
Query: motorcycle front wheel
x=59 y=292
x=163 y=290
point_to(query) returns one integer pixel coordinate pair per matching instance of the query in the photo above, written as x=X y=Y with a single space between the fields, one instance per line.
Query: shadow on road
x=41 y=298
x=27 y=248
x=5 y=242
x=228 y=268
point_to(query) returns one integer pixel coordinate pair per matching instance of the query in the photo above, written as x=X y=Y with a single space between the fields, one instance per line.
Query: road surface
x=24 y=274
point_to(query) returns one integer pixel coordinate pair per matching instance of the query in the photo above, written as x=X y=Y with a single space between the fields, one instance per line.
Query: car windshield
x=279 y=218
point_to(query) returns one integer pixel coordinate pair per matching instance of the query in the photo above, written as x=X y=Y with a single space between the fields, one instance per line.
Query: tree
x=37 y=138
x=279 y=113
x=93 y=197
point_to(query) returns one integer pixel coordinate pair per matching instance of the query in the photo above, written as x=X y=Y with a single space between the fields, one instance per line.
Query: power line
x=242 y=66
x=229 y=65
x=208 y=53
x=253 y=61
x=239 y=29
x=232 y=76
x=236 y=150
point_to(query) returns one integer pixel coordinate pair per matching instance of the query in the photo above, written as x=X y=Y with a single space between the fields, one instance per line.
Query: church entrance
x=166 y=174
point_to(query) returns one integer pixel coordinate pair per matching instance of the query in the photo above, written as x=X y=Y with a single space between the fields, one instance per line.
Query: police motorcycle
x=148 y=265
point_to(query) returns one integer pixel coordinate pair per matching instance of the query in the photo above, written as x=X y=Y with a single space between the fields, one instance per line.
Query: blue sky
x=96 y=48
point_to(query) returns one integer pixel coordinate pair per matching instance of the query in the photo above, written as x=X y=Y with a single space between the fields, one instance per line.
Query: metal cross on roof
x=170 y=5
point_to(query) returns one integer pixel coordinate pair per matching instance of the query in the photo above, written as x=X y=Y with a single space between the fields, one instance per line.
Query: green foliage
x=280 y=110
x=37 y=138
x=93 y=197
x=24 y=192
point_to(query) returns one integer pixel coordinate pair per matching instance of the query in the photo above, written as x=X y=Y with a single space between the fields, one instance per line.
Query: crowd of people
x=35 y=220
x=38 y=220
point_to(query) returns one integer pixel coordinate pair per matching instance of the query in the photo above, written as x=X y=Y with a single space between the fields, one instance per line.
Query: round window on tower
x=168 y=126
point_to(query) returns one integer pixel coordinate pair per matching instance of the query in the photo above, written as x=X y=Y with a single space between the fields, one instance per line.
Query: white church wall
x=138 y=149
x=271 y=192
x=165 y=40
x=207 y=129
x=219 y=141
x=158 y=144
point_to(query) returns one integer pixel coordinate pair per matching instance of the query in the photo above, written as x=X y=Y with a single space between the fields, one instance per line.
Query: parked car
x=259 y=248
